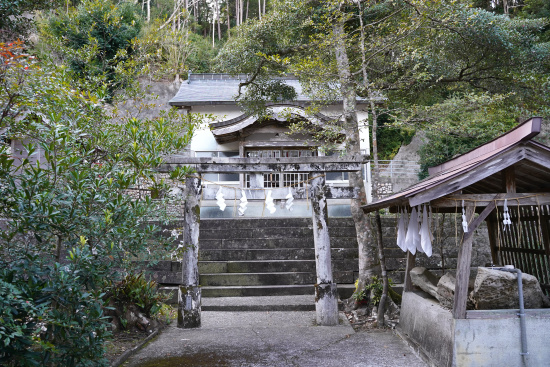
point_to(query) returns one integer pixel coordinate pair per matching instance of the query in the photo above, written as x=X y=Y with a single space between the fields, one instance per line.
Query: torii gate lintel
x=326 y=294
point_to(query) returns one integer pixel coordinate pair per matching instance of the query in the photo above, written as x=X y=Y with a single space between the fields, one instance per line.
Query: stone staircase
x=271 y=257
x=261 y=257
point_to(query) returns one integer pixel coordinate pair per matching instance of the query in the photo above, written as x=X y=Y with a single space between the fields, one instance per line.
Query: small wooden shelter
x=511 y=169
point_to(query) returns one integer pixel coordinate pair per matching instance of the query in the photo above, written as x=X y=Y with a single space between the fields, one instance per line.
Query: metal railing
x=395 y=169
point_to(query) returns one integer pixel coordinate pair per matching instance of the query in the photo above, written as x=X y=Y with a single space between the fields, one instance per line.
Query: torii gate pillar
x=189 y=297
x=326 y=294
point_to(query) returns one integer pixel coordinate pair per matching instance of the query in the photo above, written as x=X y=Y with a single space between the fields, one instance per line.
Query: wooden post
x=326 y=293
x=407 y=287
x=257 y=180
x=189 y=297
x=463 y=269
x=510 y=180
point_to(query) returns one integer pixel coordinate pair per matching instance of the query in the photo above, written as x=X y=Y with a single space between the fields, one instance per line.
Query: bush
x=94 y=39
x=373 y=291
x=135 y=289
x=48 y=318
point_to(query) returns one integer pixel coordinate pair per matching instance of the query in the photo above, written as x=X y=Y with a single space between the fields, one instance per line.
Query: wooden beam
x=209 y=193
x=457 y=180
x=306 y=145
x=492 y=228
x=249 y=165
x=465 y=258
x=545 y=231
x=463 y=270
x=482 y=200
x=484 y=214
x=510 y=180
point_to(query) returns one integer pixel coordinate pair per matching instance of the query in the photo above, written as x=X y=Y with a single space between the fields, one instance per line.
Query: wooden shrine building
x=511 y=169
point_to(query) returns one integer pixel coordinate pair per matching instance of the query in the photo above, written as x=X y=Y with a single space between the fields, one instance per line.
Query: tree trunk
x=385 y=281
x=237 y=12
x=58 y=249
x=367 y=252
x=241 y=10
x=376 y=181
x=228 y=22
x=213 y=32
x=260 y=9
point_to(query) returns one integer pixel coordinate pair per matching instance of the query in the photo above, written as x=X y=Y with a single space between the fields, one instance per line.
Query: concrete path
x=274 y=339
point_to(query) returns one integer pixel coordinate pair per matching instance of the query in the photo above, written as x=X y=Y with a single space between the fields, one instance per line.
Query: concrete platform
x=274 y=339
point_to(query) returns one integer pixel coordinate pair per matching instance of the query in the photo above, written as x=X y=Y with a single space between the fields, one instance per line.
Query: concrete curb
x=130 y=352
x=414 y=347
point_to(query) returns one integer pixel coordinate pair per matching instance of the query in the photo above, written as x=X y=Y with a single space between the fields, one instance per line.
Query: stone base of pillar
x=326 y=304
x=189 y=308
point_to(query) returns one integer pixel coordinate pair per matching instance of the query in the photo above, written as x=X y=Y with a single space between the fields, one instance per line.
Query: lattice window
x=264 y=153
x=295 y=153
x=294 y=179
x=272 y=180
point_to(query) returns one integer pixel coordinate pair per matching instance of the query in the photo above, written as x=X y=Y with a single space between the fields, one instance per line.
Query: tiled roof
x=213 y=89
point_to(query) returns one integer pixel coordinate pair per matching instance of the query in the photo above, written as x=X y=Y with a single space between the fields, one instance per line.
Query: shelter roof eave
x=472 y=167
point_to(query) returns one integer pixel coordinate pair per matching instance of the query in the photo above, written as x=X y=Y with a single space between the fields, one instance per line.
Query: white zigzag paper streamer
x=269 y=202
x=289 y=200
x=220 y=200
x=464 y=221
x=243 y=204
x=506 y=221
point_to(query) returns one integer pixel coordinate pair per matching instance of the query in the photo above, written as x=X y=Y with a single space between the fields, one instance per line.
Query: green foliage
x=48 y=318
x=391 y=137
x=95 y=39
x=78 y=214
x=534 y=9
x=172 y=53
x=135 y=289
x=15 y=22
x=374 y=291
x=461 y=123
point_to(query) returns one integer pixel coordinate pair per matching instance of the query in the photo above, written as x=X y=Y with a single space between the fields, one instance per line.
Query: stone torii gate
x=326 y=295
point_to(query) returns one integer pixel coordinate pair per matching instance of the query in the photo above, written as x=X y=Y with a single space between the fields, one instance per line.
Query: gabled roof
x=480 y=170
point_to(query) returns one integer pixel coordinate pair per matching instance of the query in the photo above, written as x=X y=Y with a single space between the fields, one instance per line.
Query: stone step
x=272 y=243
x=262 y=266
x=233 y=223
x=274 y=278
x=270 y=232
x=259 y=303
x=247 y=279
x=344 y=290
x=210 y=295
x=256 y=266
x=270 y=274
x=269 y=254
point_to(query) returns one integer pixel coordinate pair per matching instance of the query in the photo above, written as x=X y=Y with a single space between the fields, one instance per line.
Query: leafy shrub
x=135 y=289
x=374 y=290
x=95 y=38
x=48 y=318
